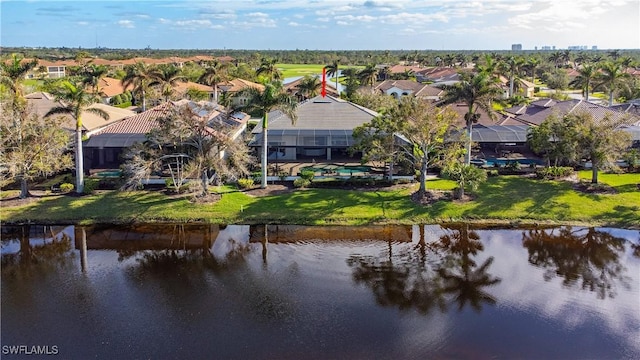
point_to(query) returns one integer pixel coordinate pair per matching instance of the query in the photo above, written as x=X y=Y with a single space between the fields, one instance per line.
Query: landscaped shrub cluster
x=301 y=182
x=245 y=183
x=90 y=185
x=307 y=175
x=554 y=172
x=356 y=182
x=66 y=187
x=122 y=99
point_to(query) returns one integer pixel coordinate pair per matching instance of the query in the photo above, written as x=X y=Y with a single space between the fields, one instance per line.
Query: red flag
x=324 y=82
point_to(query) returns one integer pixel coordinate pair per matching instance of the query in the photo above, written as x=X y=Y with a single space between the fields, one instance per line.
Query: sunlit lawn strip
x=504 y=198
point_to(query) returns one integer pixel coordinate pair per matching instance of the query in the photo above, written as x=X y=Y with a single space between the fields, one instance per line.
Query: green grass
x=291 y=70
x=501 y=199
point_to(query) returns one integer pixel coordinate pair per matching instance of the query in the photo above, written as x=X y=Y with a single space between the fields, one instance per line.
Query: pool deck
x=293 y=168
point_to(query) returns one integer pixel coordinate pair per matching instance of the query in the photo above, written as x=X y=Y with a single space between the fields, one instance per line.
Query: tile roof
x=42 y=102
x=485 y=119
x=134 y=129
x=320 y=113
x=536 y=112
x=111 y=87
x=236 y=85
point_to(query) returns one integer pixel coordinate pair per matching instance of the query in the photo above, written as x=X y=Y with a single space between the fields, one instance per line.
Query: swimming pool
x=114 y=173
x=500 y=162
x=340 y=170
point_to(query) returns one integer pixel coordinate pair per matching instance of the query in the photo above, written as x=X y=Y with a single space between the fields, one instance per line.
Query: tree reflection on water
x=428 y=276
x=584 y=258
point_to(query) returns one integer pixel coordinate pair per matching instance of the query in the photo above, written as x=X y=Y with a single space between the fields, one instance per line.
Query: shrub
x=90 y=185
x=492 y=173
x=66 y=187
x=554 y=172
x=513 y=166
x=301 y=183
x=245 y=183
x=307 y=175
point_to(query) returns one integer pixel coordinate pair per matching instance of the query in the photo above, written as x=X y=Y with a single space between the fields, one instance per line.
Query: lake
x=177 y=291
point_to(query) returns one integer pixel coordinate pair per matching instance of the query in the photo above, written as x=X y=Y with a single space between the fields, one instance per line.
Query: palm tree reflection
x=429 y=275
x=587 y=258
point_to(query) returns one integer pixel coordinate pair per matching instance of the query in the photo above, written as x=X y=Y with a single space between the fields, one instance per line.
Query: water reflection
x=322 y=292
x=429 y=275
x=585 y=258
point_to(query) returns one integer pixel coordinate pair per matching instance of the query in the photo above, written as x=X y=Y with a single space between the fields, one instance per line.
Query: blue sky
x=321 y=24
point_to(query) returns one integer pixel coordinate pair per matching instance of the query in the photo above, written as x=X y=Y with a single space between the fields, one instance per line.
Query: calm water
x=292 y=292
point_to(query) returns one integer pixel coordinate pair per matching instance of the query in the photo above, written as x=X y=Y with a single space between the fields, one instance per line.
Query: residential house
x=110 y=87
x=399 y=88
x=232 y=87
x=324 y=130
x=438 y=76
x=103 y=149
x=291 y=88
x=42 y=102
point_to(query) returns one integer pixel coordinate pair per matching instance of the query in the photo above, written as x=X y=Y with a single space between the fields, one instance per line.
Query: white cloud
x=126 y=24
x=83 y=23
x=294 y=24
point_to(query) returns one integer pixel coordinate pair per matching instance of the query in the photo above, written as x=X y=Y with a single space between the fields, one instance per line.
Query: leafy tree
x=601 y=141
x=555 y=139
x=611 y=76
x=186 y=134
x=352 y=80
x=197 y=95
x=374 y=101
x=557 y=79
x=138 y=76
x=477 y=91
x=426 y=129
x=75 y=101
x=585 y=79
x=532 y=64
x=166 y=77
x=265 y=101
x=31 y=147
x=377 y=138
x=215 y=73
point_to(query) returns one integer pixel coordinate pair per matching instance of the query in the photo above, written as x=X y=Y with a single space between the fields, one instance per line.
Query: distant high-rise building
x=578 y=47
x=516 y=47
x=547 y=47
x=594 y=47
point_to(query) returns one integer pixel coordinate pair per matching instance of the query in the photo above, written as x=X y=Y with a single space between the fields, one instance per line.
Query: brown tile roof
x=182 y=87
x=536 y=112
x=417 y=89
x=111 y=87
x=42 y=102
x=485 y=119
x=236 y=85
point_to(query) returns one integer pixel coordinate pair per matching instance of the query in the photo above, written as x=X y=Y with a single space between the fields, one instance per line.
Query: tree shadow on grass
x=109 y=206
x=621 y=215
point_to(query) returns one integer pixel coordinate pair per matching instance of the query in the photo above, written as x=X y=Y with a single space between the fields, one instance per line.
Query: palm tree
x=512 y=66
x=476 y=91
x=75 y=101
x=488 y=66
x=138 y=76
x=368 y=75
x=263 y=102
x=586 y=77
x=309 y=86
x=215 y=72
x=269 y=69
x=332 y=70
x=11 y=75
x=167 y=77
x=533 y=63
x=611 y=76
x=92 y=75
x=555 y=57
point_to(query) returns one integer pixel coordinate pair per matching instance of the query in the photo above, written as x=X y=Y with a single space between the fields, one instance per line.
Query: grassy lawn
x=291 y=70
x=503 y=199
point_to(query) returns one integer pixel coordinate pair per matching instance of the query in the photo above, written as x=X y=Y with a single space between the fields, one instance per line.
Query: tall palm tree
x=269 y=69
x=587 y=75
x=368 y=75
x=477 y=91
x=332 y=70
x=12 y=73
x=215 y=72
x=309 y=86
x=611 y=76
x=167 y=77
x=75 y=101
x=488 y=66
x=532 y=64
x=138 y=76
x=511 y=66
x=92 y=74
x=263 y=102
